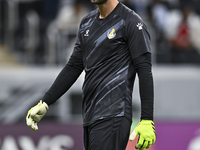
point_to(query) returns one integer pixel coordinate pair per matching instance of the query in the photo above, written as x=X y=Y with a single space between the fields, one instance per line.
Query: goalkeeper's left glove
x=35 y=114
x=147 y=136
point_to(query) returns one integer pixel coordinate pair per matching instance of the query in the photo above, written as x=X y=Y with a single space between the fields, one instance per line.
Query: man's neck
x=106 y=8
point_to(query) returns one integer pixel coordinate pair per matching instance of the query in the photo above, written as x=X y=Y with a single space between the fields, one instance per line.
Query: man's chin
x=98 y=2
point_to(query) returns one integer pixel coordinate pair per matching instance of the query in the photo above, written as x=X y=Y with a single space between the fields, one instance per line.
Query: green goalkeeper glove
x=146 y=131
x=35 y=114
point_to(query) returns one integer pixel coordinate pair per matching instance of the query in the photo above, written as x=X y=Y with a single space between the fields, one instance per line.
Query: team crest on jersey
x=111 y=34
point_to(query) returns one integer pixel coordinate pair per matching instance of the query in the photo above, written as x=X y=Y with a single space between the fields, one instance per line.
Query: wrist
x=45 y=105
x=145 y=120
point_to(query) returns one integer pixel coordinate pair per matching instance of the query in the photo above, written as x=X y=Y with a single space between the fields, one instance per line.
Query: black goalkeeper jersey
x=105 y=49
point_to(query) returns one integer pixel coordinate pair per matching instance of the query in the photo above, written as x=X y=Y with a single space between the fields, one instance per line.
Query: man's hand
x=146 y=131
x=35 y=114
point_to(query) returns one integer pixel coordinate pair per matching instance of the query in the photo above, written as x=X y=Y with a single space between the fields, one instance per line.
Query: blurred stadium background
x=36 y=40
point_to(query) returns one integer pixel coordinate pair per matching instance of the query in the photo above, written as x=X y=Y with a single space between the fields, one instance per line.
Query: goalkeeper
x=113 y=45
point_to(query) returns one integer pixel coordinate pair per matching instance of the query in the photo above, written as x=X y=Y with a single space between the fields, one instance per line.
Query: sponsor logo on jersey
x=111 y=34
x=139 y=25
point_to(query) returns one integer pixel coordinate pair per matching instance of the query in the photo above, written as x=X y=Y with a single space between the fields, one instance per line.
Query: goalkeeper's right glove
x=35 y=114
x=147 y=136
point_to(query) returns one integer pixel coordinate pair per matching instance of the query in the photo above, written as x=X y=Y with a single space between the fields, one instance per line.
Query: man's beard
x=98 y=2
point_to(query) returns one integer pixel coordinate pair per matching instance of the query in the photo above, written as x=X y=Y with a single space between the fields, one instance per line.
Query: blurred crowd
x=44 y=31
x=177 y=30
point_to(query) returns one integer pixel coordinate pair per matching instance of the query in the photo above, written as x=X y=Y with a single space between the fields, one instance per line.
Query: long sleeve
x=143 y=65
x=67 y=76
x=64 y=81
